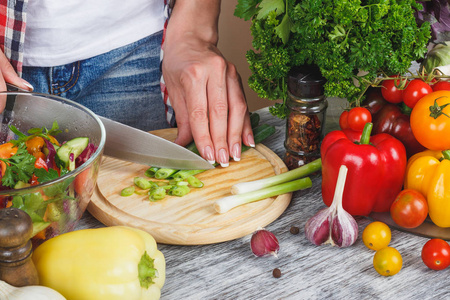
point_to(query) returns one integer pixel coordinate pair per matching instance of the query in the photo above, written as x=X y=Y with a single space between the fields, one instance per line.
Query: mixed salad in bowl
x=36 y=158
x=51 y=149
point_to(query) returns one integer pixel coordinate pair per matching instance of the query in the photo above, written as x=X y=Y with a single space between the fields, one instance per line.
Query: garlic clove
x=344 y=229
x=264 y=243
x=317 y=228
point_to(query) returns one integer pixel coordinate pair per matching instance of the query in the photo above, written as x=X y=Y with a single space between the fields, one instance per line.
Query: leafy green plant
x=353 y=42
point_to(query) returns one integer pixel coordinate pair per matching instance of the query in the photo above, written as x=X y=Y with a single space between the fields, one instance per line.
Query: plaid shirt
x=12 y=38
x=12 y=31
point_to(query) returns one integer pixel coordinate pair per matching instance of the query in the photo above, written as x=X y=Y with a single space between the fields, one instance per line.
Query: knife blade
x=131 y=144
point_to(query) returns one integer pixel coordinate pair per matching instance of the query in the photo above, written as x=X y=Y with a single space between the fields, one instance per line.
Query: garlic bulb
x=31 y=292
x=333 y=225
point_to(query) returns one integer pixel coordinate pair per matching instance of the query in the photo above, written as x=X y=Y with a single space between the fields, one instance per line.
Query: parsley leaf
x=284 y=29
x=43 y=132
x=45 y=176
x=268 y=6
x=246 y=9
x=20 y=167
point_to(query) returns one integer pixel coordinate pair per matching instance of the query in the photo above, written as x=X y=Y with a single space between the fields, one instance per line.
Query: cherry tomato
x=409 y=209
x=355 y=118
x=414 y=91
x=441 y=86
x=436 y=254
x=376 y=235
x=429 y=120
x=387 y=261
x=390 y=92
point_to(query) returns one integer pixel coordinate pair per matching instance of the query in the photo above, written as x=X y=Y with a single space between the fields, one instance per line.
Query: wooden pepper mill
x=16 y=266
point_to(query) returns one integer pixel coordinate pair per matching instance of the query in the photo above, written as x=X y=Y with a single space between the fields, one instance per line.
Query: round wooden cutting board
x=191 y=219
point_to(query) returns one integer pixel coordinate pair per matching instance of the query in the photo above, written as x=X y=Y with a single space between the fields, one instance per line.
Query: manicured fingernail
x=28 y=85
x=251 y=141
x=237 y=152
x=223 y=158
x=209 y=155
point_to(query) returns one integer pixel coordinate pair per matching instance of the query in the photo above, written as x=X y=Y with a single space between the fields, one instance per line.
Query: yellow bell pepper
x=110 y=263
x=429 y=173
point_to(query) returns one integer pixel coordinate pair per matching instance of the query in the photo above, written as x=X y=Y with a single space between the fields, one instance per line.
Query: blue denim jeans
x=123 y=84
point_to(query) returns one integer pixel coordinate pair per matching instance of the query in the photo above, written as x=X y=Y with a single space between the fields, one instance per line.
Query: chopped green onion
x=225 y=204
x=142 y=183
x=157 y=194
x=194 y=182
x=153 y=184
x=173 y=182
x=184 y=174
x=164 y=173
x=179 y=183
x=245 y=187
x=179 y=190
x=150 y=172
x=141 y=192
x=128 y=191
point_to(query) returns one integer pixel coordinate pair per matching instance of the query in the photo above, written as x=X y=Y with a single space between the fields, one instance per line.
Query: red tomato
x=441 y=86
x=409 y=209
x=355 y=119
x=343 y=120
x=83 y=183
x=40 y=163
x=414 y=91
x=358 y=117
x=390 y=92
x=436 y=254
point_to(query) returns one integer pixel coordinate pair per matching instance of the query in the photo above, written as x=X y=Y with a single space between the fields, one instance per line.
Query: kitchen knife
x=122 y=141
x=131 y=144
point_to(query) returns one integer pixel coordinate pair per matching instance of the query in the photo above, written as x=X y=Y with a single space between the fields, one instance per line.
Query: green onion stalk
x=245 y=187
x=223 y=205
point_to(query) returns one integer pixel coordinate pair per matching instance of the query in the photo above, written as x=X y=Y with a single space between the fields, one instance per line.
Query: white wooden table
x=229 y=270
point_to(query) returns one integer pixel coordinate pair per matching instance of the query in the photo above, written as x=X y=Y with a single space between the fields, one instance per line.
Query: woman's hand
x=205 y=89
x=9 y=75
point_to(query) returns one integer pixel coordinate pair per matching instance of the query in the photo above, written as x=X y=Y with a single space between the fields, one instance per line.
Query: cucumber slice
x=75 y=146
x=20 y=184
x=39 y=226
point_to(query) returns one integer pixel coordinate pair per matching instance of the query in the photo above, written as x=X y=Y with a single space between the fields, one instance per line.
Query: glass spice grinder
x=306 y=113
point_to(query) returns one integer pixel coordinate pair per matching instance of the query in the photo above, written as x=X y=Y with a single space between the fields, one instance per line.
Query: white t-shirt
x=59 y=32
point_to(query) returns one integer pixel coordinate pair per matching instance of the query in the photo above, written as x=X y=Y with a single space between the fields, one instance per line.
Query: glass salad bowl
x=60 y=183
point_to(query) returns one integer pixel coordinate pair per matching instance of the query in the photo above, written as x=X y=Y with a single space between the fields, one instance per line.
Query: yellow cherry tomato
x=387 y=261
x=376 y=235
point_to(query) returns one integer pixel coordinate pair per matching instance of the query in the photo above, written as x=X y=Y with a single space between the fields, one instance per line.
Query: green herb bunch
x=353 y=42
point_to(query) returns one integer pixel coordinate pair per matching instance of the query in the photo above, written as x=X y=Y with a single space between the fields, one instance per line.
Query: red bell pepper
x=392 y=119
x=376 y=167
x=38 y=164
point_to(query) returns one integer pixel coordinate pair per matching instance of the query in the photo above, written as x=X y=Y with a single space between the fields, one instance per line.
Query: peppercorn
x=294 y=230
x=276 y=273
